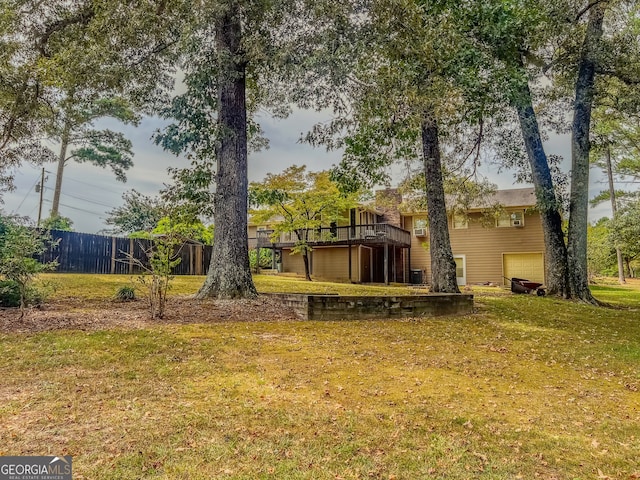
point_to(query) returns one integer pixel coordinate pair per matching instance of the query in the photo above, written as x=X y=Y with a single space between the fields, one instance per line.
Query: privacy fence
x=87 y=253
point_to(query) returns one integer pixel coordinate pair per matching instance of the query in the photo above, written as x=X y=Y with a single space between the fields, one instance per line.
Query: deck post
x=393 y=264
x=349 y=247
x=386 y=263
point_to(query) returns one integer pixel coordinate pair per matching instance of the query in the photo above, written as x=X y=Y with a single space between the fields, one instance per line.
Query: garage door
x=524 y=265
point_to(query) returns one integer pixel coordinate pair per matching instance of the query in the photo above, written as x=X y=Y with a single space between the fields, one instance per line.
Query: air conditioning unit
x=517 y=223
x=420 y=232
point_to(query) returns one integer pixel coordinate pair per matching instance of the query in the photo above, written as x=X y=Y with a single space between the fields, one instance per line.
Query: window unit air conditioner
x=420 y=232
x=517 y=223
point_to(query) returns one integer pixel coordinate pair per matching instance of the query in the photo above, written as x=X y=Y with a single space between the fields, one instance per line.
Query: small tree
x=138 y=213
x=157 y=270
x=19 y=245
x=302 y=202
x=57 y=222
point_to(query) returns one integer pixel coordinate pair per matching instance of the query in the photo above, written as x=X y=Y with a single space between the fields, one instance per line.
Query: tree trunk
x=580 y=147
x=555 y=249
x=307 y=269
x=614 y=210
x=62 y=159
x=443 y=266
x=303 y=241
x=229 y=274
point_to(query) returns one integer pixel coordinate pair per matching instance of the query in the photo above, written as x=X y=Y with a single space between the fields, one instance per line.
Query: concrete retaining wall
x=336 y=307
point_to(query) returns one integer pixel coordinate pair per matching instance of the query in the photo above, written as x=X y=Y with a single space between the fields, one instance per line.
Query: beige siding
x=483 y=247
x=332 y=263
x=292 y=263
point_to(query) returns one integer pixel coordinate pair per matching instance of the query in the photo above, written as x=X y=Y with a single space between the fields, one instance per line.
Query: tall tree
x=565 y=41
x=99 y=49
x=414 y=81
x=580 y=149
x=232 y=53
x=103 y=148
x=513 y=33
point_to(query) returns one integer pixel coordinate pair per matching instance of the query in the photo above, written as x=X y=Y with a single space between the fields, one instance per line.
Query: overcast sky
x=88 y=192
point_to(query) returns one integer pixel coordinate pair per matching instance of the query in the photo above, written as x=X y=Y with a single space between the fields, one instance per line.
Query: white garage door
x=523 y=265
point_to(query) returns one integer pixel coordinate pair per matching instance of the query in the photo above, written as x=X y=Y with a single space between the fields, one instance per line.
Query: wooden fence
x=87 y=253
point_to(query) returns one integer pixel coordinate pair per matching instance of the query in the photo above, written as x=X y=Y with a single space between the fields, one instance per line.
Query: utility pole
x=40 y=188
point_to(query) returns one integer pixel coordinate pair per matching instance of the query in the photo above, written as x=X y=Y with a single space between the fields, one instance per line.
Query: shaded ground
x=89 y=315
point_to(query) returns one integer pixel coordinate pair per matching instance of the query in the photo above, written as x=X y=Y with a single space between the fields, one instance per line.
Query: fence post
x=131 y=245
x=113 y=255
x=199 y=259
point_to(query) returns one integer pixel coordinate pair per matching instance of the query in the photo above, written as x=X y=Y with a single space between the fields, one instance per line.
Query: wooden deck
x=373 y=234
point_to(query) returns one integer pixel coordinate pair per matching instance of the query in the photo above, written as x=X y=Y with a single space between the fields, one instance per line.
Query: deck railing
x=369 y=233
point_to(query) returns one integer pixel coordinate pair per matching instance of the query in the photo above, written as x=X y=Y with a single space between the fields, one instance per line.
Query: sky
x=89 y=192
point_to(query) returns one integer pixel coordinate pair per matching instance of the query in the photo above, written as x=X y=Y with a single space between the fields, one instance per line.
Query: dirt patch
x=89 y=315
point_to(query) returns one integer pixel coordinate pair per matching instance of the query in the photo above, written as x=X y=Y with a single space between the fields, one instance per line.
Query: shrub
x=266 y=258
x=126 y=294
x=162 y=257
x=19 y=247
x=9 y=294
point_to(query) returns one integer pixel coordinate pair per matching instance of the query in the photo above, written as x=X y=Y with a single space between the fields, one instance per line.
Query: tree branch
x=630 y=81
x=589 y=6
x=82 y=17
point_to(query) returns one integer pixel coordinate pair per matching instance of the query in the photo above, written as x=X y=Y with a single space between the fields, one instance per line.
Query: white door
x=461 y=269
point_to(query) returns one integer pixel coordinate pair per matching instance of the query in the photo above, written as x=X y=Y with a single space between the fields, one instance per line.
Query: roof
x=515 y=197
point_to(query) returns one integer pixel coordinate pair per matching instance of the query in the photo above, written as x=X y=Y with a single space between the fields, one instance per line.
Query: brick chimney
x=387 y=202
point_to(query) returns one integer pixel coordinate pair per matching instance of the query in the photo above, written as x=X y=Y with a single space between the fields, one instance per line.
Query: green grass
x=527 y=387
x=106 y=286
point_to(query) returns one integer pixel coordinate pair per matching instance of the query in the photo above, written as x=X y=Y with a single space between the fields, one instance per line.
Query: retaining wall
x=337 y=307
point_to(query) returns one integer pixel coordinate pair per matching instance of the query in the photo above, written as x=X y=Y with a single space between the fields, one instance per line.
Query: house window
x=262 y=228
x=510 y=219
x=460 y=221
x=420 y=227
x=419 y=223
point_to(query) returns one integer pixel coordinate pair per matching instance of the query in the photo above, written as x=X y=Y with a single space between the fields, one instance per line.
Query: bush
x=9 y=293
x=20 y=245
x=266 y=258
x=126 y=294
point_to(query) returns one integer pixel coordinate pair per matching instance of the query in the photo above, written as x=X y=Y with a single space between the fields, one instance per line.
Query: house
x=385 y=244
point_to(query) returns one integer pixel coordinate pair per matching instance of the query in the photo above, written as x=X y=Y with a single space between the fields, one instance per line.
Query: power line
x=15 y=210
x=92 y=185
x=76 y=208
x=83 y=199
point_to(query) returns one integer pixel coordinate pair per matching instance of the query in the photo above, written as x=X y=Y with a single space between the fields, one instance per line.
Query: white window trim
x=420 y=219
x=462 y=217
x=512 y=215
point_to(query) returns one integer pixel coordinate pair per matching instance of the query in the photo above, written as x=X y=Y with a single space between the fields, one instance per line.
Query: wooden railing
x=370 y=233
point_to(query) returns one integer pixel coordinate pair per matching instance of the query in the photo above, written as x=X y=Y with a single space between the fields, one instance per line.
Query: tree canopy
x=300 y=203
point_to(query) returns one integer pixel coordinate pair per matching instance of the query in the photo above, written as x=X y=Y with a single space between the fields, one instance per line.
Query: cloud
x=89 y=192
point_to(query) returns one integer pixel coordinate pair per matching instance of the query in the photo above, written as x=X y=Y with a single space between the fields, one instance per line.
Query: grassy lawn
x=527 y=387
